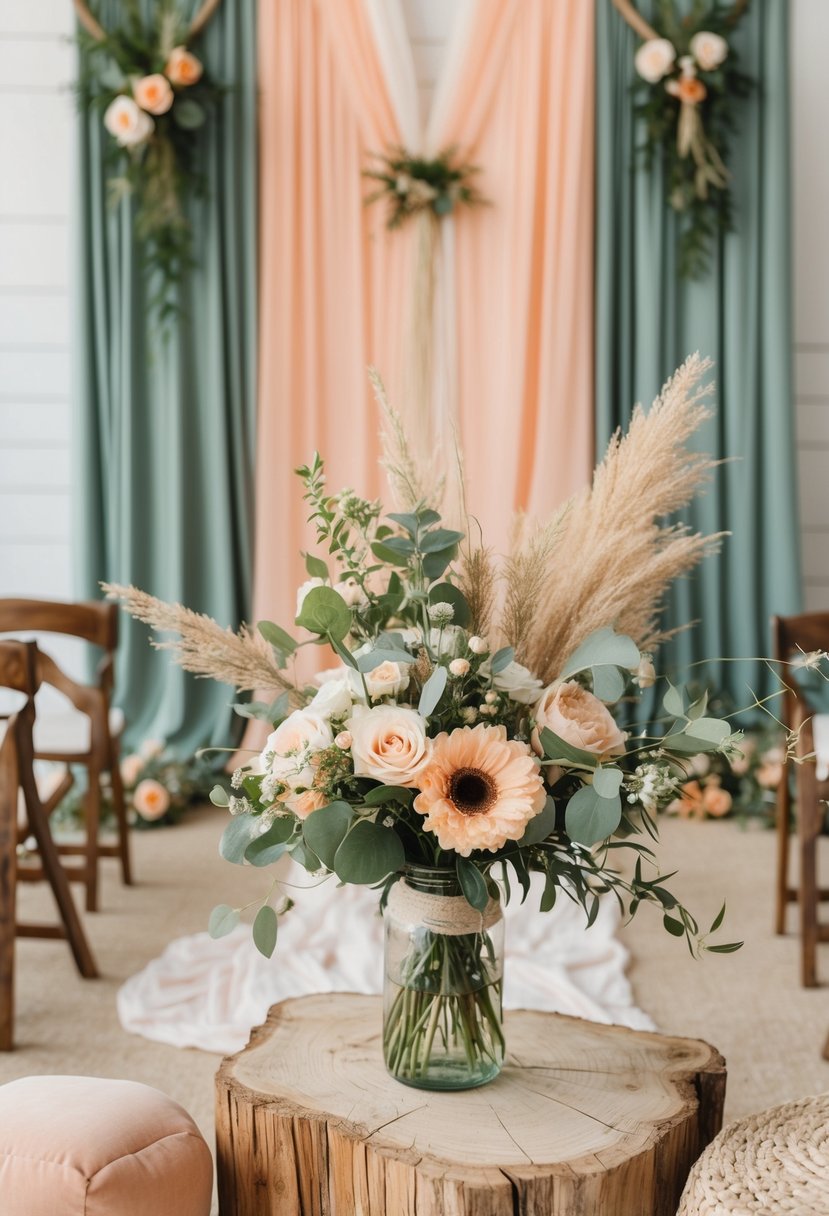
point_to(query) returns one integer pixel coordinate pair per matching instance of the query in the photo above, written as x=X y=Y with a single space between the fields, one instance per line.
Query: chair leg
x=784 y=803
x=8 y=888
x=120 y=806
x=92 y=807
x=56 y=875
x=808 y=834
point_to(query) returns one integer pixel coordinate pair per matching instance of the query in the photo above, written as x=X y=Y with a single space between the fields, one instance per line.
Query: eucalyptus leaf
x=368 y=662
x=439 y=540
x=674 y=927
x=188 y=114
x=608 y=683
x=219 y=796
x=408 y=521
x=602 y=648
x=264 y=930
x=316 y=567
x=223 y=920
x=271 y=845
x=590 y=818
x=386 y=554
x=711 y=729
x=434 y=564
x=324 y=611
x=277 y=637
x=383 y=794
x=555 y=748
x=540 y=826
x=699 y=707
x=607 y=781
x=432 y=692
x=368 y=853
x=502 y=659
x=473 y=883
x=674 y=702
x=259 y=710
x=324 y=830
x=238 y=834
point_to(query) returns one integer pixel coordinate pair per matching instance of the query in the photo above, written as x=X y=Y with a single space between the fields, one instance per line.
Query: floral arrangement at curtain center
x=690 y=79
x=154 y=95
x=465 y=739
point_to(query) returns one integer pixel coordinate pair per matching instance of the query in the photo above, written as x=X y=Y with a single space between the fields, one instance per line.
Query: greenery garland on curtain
x=165 y=418
x=648 y=319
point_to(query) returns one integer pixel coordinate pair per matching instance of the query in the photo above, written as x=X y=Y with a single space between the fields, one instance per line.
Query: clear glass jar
x=444 y=966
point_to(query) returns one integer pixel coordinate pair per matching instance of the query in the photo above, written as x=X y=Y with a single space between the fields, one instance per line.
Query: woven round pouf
x=777 y=1161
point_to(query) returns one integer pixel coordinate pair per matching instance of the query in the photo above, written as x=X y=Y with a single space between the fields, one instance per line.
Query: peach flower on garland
x=579 y=718
x=480 y=789
x=183 y=68
x=697 y=801
x=688 y=89
x=153 y=93
x=151 y=800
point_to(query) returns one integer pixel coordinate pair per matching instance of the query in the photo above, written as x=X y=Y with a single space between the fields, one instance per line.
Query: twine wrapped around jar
x=447 y=915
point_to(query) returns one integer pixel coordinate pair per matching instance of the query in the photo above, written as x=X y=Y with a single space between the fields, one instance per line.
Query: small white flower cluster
x=651 y=786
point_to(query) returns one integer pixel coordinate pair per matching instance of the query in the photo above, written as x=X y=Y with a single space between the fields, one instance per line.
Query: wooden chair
x=88 y=735
x=807 y=632
x=18 y=672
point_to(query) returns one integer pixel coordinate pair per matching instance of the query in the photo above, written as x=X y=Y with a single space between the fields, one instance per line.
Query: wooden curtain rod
x=97 y=31
x=645 y=31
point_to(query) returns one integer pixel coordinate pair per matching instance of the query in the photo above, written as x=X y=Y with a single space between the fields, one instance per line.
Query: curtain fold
x=648 y=320
x=164 y=424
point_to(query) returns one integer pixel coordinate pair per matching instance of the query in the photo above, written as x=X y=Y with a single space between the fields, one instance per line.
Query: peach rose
x=654 y=59
x=690 y=805
x=151 y=800
x=303 y=804
x=183 y=68
x=689 y=90
x=153 y=93
x=389 y=744
x=579 y=718
x=127 y=122
x=709 y=50
x=715 y=800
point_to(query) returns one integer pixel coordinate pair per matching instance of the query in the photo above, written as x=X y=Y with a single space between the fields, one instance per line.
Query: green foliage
x=368 y=854
x=413 y=184
x=264 y=930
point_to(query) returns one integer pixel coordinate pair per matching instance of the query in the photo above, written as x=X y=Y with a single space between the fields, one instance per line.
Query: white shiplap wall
x=35 y=187
x=810 y=119
x=36 y=122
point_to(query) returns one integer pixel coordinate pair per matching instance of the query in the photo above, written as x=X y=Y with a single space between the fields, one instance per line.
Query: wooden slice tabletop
x=309 y=1122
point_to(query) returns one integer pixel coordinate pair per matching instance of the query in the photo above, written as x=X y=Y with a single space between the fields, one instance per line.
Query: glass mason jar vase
x=444 y=966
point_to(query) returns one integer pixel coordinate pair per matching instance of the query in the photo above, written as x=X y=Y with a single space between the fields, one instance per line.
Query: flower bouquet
x=465 y=738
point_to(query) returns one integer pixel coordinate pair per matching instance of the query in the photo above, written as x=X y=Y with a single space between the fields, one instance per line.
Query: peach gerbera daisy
x=479 y=789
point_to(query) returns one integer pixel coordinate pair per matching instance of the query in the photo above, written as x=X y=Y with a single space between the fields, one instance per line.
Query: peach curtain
x=336 y=285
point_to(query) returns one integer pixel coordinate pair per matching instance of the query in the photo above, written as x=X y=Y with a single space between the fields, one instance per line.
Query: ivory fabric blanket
x=210 y=994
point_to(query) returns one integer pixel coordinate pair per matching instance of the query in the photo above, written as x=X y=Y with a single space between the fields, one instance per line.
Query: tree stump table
x=585 y=1120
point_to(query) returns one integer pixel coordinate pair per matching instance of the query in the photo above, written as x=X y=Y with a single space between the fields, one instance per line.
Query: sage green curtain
x=648 y=320
x=164 y=421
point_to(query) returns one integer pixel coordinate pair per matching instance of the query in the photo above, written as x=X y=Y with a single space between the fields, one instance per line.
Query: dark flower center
x=472 y=791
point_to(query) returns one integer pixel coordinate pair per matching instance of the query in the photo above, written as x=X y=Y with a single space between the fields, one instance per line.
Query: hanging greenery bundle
x=414 y=185
x=154 y=96
x=689 y=80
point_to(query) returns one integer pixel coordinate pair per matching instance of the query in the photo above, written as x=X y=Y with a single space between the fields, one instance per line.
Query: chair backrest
x=18 y=667
x=806 y=632
x=94 y=621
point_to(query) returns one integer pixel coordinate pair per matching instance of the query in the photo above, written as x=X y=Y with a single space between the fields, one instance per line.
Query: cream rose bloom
x=290 y=752
x=709 y=50
x=153 y=93
x=183 y=68
x=334 y=699
x=151 y=799
x=389 y=744
x=579 y=718
x=387 y=680
x=351 y=591
x=127 y=122
x=517 y=682
x=654 y=59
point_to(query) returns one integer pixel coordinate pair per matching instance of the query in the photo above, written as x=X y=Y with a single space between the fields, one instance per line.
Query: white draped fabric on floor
x=209 y=994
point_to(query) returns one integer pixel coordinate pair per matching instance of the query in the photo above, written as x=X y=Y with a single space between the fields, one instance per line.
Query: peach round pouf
x=84 y=1146
x=775 y=1164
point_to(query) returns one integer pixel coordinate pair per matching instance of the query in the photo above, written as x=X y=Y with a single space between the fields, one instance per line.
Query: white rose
x=654 y=59
x=709 y=50
x=333 y=699
x=307 y=586
x=290 y=751
x=343 y=673
x=387 y=680
x=389 y=744
x=351 y=591
x=516 y=681
x=478 y=645
x=130 y=125
x=459 y=667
